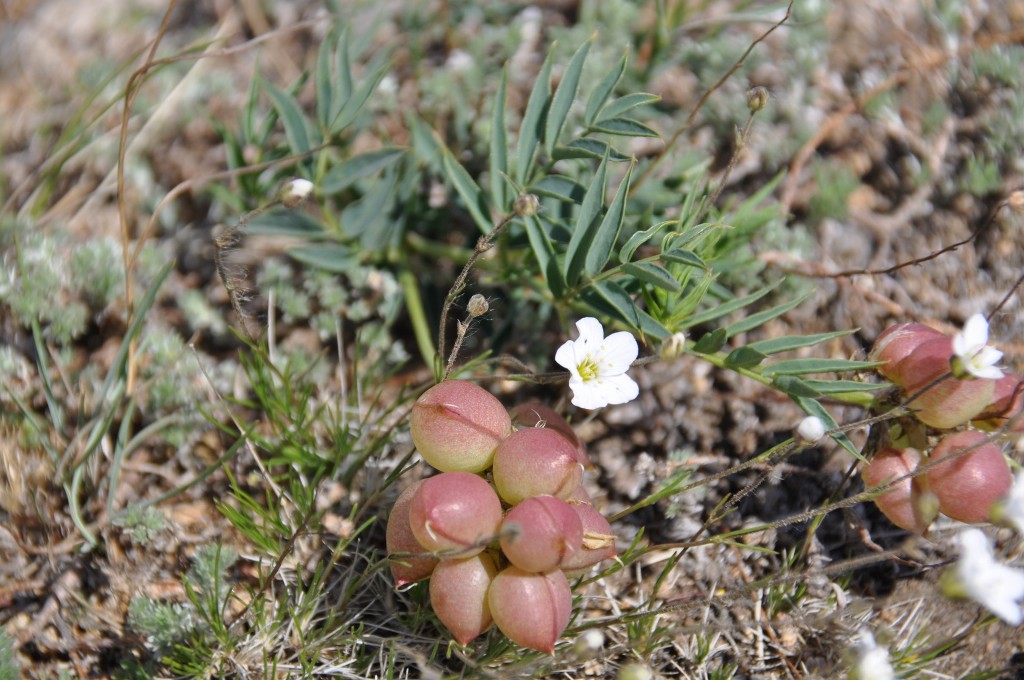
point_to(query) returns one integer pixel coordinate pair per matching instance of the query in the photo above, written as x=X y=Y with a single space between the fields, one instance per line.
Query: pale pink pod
x=968 y=483
x=540 y=533
x=456 y=426
x=535 y=461
x=455 y=511
x=400 y=539
x=900 y=502
x=458 y=595
x=531 y=609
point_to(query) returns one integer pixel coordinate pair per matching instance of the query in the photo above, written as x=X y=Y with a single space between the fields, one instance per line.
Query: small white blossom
x=971 y=352
x=1009 y=510
x=871 y=662
x=598 y=365
x=811 y=429
x=980 y=577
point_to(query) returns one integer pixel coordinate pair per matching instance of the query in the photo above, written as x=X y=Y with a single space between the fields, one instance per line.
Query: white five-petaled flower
x=979 y=576
x=971 y=352
x=871 y=662
x=598 y=365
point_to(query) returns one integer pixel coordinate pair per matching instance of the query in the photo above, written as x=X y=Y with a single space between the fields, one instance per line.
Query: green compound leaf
x=652 y=273
x=564 y=97
x=352 y=170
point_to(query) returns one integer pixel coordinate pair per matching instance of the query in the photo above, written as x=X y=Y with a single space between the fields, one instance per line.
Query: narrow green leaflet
x=604 y=90
x=843 y=386
x=343 y=74
x=584 y=147
x=426 y=146
x=368 y=211
x=497 y=161
x=624 y=127
x=352 y=105
x=760 y=318
x=652 y=273
x=744 y=357
x=710 y=342
x=324 y=90
x=627 y=103
x=685 y=257
x=468 y=190
x=286 y=223
x=330 y=257
x=607 y=234
x=728 y=307
x=805 y=366
x=295 y=126
x=564 y=96
x=544 y=251
x=613 y=299
x=345 y=174
x=791 y=342
x=796 y=387
x=560 y=187
x=579 y=242
x=533 y=120
x=641 y=237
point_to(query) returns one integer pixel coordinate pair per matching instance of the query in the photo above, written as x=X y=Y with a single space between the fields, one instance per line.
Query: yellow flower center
x=588 y=369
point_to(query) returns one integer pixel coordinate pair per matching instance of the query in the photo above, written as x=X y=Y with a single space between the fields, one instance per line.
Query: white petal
x=974 y=337
x=565 y=357
x=619 y=352
x=591 y=333
x=588 y=395
x=618 y=389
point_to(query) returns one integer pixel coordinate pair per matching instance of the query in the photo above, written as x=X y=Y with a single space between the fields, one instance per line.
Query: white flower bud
x=295 y=192
x=810 y=429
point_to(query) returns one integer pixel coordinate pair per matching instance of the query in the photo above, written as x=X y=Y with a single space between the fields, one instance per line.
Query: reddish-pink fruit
x=456 y=425
x=945 y=403
x=1007 y=407
x=901 y=501
x=458 y=595
x=540 y=533
x=536 y=414
x=967 y=484
x=455 y=511
x=531 y=609
x=535 y=461
x=400 y=539
x=598 y=539
x=895 y=343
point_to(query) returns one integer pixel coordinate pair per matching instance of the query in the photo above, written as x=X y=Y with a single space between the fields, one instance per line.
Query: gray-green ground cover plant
x=206 y=428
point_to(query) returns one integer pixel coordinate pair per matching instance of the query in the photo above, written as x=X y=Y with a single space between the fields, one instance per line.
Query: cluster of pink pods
x=966 y=472
x=507 y=517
